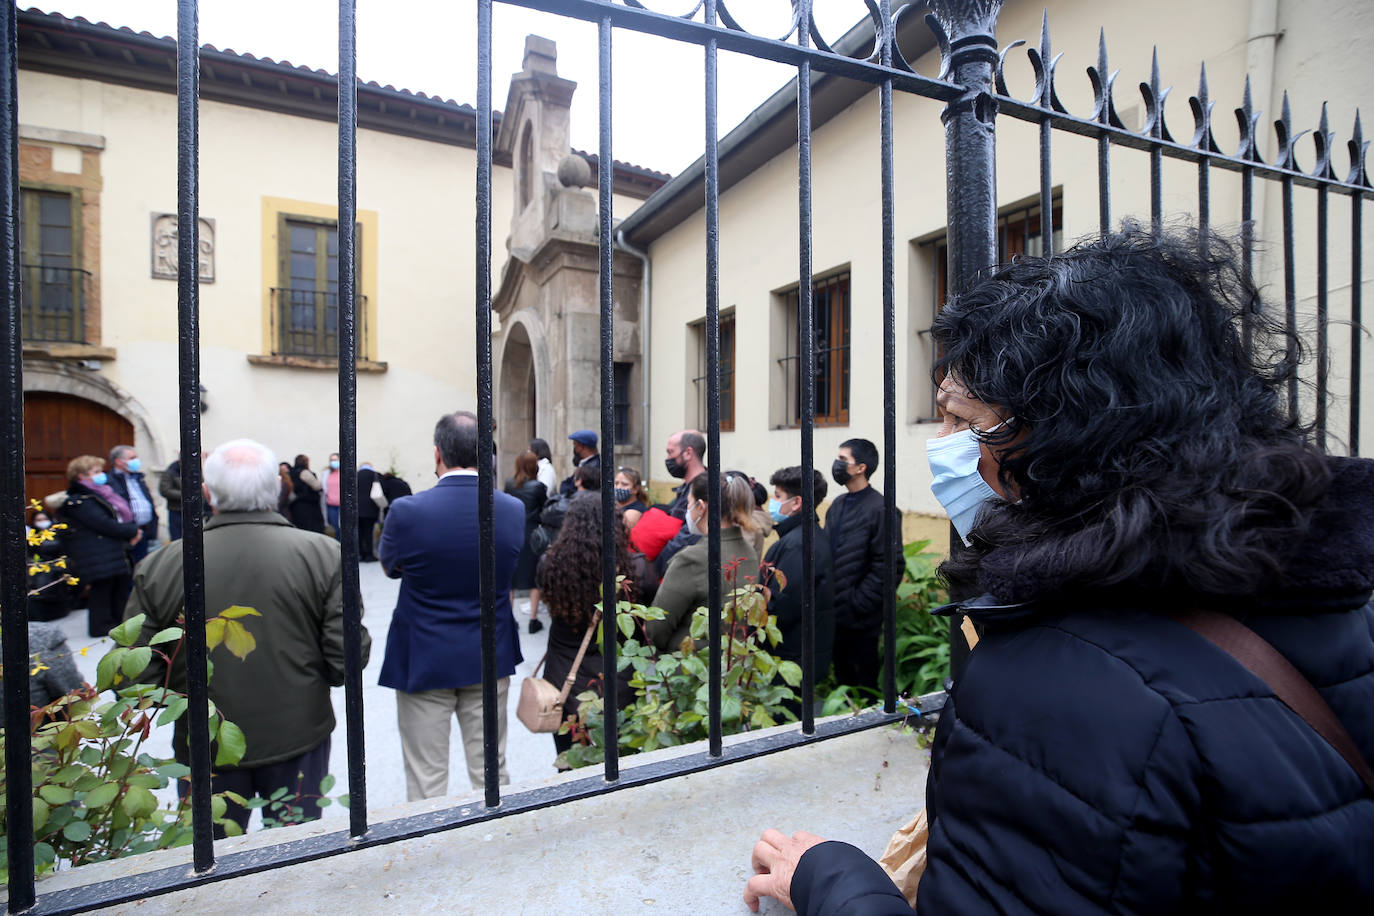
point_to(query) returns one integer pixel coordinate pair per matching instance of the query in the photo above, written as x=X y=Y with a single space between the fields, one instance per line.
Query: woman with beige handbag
x=569 y=577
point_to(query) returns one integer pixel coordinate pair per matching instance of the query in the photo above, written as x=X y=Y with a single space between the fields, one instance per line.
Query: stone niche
x=164 y=247
x=547 y=351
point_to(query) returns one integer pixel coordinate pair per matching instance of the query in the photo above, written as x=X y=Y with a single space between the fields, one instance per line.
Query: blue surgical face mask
x=135 y=464
x=334 y=464
x=775 y=510
x=42 y=525
x=99 y=478
x=957 y=484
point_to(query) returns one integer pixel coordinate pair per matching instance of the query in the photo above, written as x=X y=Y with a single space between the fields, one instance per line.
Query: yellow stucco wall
x=417 y=267
x=758 y=236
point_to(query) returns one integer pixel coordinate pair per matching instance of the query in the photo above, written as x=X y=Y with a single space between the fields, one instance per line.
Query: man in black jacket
x=854 y=526
x=786 y=557
x=368 y=512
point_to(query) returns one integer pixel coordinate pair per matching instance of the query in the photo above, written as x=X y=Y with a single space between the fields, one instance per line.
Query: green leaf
x=43 y=855
x=101 y=795
x=107 y=666
x=138 y=802
x=791 y=673
x=40 y=813
x=231 y=745
x=237 y=611
x=174 y=770
x=69 y=773
x=146 y=780
x=343 y=799
x=325 y=802
x=171 y=634
x=218 y=805
x=128 y=631
x=214 y=632
x=77 y=831
x=626 y=624
x=173 y=711
x=238 y=640
x=327 y=783
x=56 y=795
x=136 y=661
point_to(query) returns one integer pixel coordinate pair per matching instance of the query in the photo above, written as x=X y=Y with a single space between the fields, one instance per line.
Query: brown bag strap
x=1293 y=690
x=577 y=662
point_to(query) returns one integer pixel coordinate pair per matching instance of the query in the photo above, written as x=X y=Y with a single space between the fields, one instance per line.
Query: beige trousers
x=424 y=720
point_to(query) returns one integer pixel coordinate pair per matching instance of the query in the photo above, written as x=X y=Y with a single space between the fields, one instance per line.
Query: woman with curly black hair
x=1131 y=487
x=570 y=582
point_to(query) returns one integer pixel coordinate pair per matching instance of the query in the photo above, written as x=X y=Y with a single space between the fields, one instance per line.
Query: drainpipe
x=645 y=316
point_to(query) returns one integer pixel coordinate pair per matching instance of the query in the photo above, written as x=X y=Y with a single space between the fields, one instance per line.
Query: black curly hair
x=1156 y=450
x=570 y=570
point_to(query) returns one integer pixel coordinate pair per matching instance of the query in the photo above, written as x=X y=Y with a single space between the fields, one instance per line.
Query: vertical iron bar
x=1290 y=295
x=1046 y=95
x=486 y=548
x=971 y=202
x=713 y=574
x=806 y=305
x=188 y=340
x=1157 y=188
x=605 y=182
x=1104 y=146
x=1247 y=247
x=893 y=529
x=1323 y=360
x=1204 y=200
x=13 y=550
x=348 y=415
x=1356 y=328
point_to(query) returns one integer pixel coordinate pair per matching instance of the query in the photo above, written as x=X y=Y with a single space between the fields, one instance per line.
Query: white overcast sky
x=430 y=46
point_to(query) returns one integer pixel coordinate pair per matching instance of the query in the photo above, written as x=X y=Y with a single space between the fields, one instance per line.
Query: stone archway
x=519 y=396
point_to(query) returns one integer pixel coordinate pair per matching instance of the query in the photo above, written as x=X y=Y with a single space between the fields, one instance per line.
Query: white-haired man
x=279 y=694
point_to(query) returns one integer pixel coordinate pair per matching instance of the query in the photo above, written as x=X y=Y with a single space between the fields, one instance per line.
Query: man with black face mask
x=854 y=526
x=684 y=460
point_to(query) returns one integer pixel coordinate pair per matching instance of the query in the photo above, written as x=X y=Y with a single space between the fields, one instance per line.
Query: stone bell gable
x=547 y=343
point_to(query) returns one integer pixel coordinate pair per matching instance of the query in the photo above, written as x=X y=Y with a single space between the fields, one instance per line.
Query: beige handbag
x=378 y=497
x=541 y=703
x=904 y=860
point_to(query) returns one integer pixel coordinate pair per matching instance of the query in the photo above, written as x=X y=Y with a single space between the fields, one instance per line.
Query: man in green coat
x=279 y=694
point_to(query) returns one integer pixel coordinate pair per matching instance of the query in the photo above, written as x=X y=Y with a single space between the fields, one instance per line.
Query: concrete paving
x=529 y=757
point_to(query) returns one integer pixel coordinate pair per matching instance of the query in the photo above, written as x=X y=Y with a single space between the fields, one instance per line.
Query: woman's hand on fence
x=774 y=860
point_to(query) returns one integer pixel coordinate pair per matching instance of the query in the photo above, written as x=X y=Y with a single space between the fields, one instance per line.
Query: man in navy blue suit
x=433 y=650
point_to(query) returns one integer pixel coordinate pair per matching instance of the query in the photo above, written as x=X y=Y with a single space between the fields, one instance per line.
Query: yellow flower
x=35 y=537
x=83 y=650
x=61 y=563
x=38 y=666
x=72 y=580
x=33 y=504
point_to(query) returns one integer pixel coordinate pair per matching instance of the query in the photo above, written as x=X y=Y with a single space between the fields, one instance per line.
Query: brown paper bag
x=905 y=857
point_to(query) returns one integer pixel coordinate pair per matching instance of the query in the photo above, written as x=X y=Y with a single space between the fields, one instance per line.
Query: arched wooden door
x=57 y=428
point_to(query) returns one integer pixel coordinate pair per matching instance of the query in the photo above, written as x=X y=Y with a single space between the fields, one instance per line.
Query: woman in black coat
x=1122 y=466
x=305 y=511
x=97 y=540
x=570 y=582
x=525 y=486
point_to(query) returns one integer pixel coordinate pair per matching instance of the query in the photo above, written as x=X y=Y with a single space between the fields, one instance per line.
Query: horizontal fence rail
x=971 y=83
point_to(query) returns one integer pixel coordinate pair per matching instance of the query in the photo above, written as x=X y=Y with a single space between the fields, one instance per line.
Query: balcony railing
x=54 y=303
x=305 y=322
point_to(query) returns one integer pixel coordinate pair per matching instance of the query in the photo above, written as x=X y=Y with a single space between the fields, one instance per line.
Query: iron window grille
x=622 y=401
x=726 y=350
x=305 y=306
x=831 y=315
x=54 y=287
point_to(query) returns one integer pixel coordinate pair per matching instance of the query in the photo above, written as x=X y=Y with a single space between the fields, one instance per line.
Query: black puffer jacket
x=96 y=540
x=786 y=557
x=1100 y=757
x=857 y=554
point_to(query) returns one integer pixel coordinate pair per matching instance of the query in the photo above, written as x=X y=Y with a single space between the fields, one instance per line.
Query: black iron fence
x=54 y=303
x=972 y=85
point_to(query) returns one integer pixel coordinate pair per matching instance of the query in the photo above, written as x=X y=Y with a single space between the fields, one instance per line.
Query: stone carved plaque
x=164 y=247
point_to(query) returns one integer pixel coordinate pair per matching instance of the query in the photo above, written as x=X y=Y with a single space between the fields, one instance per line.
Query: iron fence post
x=967 y=37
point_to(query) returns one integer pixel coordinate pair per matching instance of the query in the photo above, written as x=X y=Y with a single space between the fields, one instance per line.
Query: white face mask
x=698 y=525
x=956 y=482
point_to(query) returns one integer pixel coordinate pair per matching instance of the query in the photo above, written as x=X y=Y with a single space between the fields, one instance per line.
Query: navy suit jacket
x=430 y=543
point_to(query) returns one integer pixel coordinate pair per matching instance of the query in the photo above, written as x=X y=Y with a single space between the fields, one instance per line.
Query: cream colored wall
x=416 y=201
x=758 y=219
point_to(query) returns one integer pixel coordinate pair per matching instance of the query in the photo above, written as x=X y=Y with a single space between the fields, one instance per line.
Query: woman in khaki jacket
x=686 y=581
